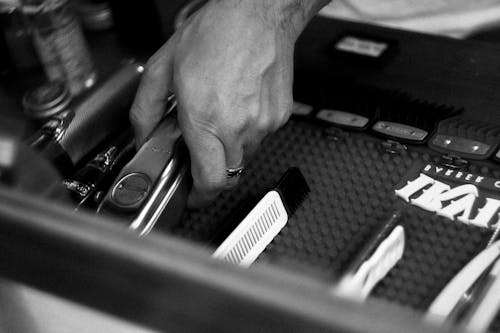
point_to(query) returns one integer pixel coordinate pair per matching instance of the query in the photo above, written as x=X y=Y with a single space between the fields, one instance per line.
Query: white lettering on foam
x=455 y=174
x=435 y=193
x=427 y=199
x=495 y=225
x=485 y=214
x=414 y=186
x=463 y=205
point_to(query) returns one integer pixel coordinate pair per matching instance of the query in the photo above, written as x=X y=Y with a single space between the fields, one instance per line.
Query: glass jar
x=60 y=43
x=46 y=101
x=18 y=40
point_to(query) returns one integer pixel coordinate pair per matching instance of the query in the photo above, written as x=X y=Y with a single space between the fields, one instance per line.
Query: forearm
x=289 y=16
x=294 y=15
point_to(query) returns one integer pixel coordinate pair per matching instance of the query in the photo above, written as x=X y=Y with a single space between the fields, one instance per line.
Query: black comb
x=293 y=189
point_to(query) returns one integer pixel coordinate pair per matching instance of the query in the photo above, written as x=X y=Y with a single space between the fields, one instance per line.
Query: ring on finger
x=234 y=172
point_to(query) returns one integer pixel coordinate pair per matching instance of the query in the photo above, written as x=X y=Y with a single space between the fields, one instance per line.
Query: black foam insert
x=352 y=182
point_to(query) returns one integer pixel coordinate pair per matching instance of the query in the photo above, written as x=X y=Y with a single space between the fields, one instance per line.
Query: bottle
x=46 y=101
x=60 y=43
x=95 y=15
x=18 y=40
x=72 y=133
x=6 y=64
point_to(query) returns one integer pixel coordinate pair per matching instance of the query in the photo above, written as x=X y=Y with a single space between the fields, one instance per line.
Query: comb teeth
x=265 y=221
x=470 y=129
x=252 y=236
x=466 y=138
x=293 y=189
x=400 y=107
x=255 y=232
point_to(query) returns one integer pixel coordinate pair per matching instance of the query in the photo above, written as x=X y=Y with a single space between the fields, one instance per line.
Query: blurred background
x=454 y=18
x=54 y=54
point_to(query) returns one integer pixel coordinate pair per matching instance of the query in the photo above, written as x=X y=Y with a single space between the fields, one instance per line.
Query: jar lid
x=46 y=100
x=95 y=16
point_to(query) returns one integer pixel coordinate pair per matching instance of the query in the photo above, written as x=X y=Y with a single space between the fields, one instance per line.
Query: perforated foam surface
x=352 y=184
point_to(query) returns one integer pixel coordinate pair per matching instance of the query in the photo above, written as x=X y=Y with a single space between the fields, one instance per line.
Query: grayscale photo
x=249 y=166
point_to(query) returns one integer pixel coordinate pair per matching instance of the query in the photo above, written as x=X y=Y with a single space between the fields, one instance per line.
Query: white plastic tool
x=445 y=303
x=359 y=284
x=255 y=232
x=488 y=304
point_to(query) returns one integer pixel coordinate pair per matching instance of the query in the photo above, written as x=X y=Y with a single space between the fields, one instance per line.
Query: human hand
x=230 y=67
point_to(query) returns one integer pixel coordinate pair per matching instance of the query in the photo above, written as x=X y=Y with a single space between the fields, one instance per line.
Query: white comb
x=255 y=232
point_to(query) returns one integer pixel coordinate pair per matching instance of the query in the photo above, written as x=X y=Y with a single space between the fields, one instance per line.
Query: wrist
x=292 y=16
x=289 y=17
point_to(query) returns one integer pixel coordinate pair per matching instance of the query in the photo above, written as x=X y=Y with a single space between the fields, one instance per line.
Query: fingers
x=213 y=149
x=208 y=163
x=218 y=143
x=211 y=156
x=212 y=152
x=151 y=98
x=235 y=158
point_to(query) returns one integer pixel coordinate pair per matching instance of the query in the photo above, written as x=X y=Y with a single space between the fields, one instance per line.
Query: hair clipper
x=152 y=188
x=70 y=136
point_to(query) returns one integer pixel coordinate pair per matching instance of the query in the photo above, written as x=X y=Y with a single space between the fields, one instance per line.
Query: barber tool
x=91 y=178
x=363 y=49
x=71 y=135
x=349 y=110
x=265 y=220
x=376 y=259
x=404 y=118
x=47 y=100
x=487 y=303
x=229 y=224
x=154 y=185
x=451 y=301
x=476 y=292
x=467 y=138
